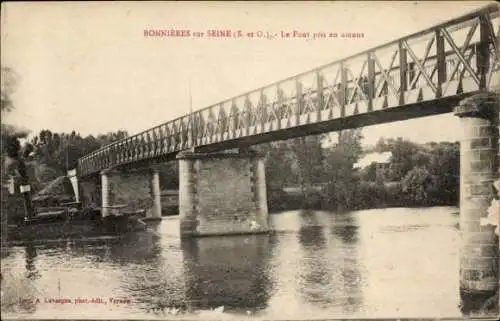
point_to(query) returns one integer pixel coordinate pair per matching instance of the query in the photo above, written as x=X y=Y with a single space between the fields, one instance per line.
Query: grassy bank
x=367 y=195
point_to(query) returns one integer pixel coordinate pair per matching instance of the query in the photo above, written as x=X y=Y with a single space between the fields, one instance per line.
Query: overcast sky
x=88 y=66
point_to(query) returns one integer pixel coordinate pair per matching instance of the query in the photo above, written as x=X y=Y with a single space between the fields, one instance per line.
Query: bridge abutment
x=479 y=168
x=222 y=193
x=135 y=189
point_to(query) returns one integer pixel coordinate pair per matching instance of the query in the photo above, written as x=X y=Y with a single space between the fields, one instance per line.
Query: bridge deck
x=419 y=75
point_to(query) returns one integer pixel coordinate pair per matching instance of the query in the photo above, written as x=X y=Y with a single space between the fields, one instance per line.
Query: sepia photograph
x=250 y=160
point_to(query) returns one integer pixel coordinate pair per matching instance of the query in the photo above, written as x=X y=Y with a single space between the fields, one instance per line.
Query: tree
x=110 y=137
x=60 y=151
x=417 y=185
x=309 y=159
x=444 y=166
x=8 y=83
x=279 y=164
x=339 y=169
x=10 y=135
x=404 y=156
x=369 y=173
x=13 y=156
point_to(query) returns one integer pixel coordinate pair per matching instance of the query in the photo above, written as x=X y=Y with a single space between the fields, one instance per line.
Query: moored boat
x=69 y=221
x=54 y=213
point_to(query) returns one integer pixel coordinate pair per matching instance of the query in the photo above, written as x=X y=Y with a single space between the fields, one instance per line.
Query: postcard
x=250 y=160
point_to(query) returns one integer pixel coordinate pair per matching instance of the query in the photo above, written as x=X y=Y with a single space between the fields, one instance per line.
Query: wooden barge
x=71 y=221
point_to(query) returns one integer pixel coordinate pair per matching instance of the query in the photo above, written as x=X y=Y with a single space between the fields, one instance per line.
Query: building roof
x=379 y=158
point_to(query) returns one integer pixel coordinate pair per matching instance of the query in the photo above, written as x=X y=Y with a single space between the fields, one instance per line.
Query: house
x=382 y=164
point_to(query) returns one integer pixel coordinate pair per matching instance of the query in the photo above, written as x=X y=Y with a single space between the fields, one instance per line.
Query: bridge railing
x=457 y=56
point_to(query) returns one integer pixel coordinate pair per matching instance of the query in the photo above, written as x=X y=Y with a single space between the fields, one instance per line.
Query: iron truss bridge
x=422 y=74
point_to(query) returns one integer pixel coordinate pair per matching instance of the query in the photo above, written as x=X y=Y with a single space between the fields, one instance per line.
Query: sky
x=88 y=66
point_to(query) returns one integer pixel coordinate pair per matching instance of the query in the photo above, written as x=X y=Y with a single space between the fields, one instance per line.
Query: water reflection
x=153 y=277
x=18 y=292
x=317 y=264
x=26 y=296
x=311 y=231
x=315 y=277
x=227 y=271
x=30 y=258
x=139 y=248
x=345 y=228
x=328 y=268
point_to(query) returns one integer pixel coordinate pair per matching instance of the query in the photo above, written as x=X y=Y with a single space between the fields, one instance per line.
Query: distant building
x=382 y=164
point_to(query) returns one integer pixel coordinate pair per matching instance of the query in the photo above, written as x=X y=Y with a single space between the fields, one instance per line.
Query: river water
x=395 y=262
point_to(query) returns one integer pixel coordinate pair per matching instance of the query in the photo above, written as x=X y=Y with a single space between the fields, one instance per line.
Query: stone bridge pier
x=138 y=189
x=222 y=193
x=479 y=168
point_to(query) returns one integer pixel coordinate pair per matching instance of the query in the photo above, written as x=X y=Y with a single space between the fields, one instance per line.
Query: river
x=396 y=262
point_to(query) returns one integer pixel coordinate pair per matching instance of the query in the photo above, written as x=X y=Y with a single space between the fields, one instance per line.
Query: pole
x=25 y=189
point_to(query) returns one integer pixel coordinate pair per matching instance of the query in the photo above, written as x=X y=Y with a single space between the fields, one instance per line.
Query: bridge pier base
x=133 y=189
x=105 y=191
x=222 y=194
x=155 y=213
x=479 y=167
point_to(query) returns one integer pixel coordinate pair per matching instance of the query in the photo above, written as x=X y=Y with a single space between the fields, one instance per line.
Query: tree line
x=326 y=177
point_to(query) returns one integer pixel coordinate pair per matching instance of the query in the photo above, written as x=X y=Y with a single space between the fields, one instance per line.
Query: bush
x=418 y=185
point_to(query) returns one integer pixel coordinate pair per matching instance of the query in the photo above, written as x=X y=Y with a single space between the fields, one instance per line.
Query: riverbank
x=367 y=195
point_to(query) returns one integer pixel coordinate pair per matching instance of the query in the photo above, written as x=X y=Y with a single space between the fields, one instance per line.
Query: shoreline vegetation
x=331 y=178
x=369 y=196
